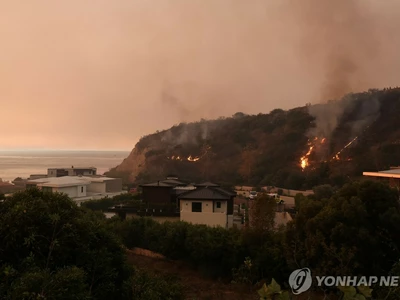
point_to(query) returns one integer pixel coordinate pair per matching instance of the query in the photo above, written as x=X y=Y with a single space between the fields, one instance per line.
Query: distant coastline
x=23 y=163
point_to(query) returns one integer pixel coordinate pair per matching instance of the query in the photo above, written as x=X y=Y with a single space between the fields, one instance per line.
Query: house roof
x=207 y=183
x=227 y=192
x=165 y=183
x=98 y=178
x=392 y=173
x=206 y=193
x=179 y=192
x=173 y=182
x=73 y=168
x=158 y=184
x=60 y=181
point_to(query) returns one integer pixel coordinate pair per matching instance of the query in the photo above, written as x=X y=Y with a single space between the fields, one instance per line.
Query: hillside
x=298 y=148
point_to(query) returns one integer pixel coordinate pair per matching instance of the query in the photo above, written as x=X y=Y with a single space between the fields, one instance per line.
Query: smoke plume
x=106 y=62
x=340 y=38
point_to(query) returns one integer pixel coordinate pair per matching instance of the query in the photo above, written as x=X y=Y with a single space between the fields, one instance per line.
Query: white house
x=209 y=205
x=79 y=188
x=74 y=187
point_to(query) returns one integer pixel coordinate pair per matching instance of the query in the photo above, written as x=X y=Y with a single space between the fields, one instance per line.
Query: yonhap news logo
x=300 y=281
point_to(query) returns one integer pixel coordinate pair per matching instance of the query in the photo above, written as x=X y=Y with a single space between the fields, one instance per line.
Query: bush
x=105 y=203
x=49 y=246
x=213 y=251
x=148 y=287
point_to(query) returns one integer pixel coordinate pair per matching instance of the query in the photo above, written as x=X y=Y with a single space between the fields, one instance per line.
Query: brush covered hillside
x=329 y=143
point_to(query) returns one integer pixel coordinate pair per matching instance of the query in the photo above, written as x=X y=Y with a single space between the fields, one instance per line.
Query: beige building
x=208 y=205
x=79 y=188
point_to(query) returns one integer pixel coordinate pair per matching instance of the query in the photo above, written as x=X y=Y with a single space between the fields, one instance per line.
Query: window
x=81 y=189
x=218 y=204
x=196 y=206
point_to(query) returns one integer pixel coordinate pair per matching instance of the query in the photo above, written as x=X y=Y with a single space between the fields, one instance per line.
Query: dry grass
x=195 y=285
x=198 y=287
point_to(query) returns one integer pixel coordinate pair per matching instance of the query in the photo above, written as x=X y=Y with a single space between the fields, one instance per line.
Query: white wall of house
x=72 y=191
x=206 y=216
x=97 y=187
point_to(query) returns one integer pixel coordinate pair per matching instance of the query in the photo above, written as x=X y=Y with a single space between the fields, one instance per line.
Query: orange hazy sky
x=84 y=74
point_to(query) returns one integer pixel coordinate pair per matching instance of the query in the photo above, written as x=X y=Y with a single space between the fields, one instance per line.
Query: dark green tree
x=355 y=232
x=52 y=249
x=262 y=213
x=323 y=191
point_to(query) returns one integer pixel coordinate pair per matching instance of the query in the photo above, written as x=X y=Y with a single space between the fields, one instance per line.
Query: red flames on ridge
x=314 y=143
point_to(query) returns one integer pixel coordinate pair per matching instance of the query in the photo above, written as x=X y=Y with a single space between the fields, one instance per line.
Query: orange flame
x=190 y=158
x=351 y=142
x=175 y=157
x=304 y=159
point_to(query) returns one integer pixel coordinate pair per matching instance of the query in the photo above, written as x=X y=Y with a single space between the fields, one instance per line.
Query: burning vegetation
x=313 y=144
x=190 y=158
x=336 y=157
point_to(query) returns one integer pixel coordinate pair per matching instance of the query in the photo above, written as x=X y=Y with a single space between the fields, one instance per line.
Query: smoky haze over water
x=86 y=75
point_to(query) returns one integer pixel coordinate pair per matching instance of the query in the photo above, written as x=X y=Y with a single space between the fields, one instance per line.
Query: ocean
x=22 y=164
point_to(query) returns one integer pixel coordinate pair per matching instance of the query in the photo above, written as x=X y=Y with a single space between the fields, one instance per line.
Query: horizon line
x=75 y=150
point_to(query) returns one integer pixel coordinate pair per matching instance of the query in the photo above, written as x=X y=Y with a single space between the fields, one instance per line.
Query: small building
x=392 y=176
x=212 y=206
x=7 y=187
x=20 y=182
x=83 y=171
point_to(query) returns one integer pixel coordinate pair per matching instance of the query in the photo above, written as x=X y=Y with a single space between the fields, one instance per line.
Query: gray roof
x=227 y=192
x=158 y=184
x=178 y=192
x=173 y=182
x=165 y=183
x=207 y=183
x=391 y=171
x=206 y=193
x=63 y=181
